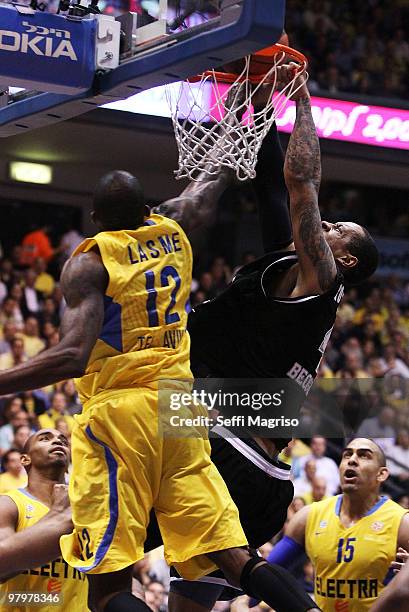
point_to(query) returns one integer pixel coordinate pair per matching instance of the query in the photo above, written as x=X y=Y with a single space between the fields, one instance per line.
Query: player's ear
x=347 y=260
x=147 y=211
x=25 y=460
x=92 y=214
x=383 y=474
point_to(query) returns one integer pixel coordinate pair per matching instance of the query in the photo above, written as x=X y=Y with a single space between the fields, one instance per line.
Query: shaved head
x=119 y=203
x=371 y=445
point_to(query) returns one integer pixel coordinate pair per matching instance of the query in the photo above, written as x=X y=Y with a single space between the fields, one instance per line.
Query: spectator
x=69 y=242
x=31 y=296
x=35 y=403
x=398 y=459
x=206 y=285
x=70 y=392
x=7 y=432
x=14 y=475
x=48 y=330
x=11 y=406
x=21 y=435
x=3 y=291
x=155 y=595
x=33 y=344
x=62 y=426
x=16 y=356
x=319 y=487
x=303 y=484
x=6 y=272
x=394 y=365
x=49 y=313
x=353 y=367
x=58 y=409
x=326 y=467
x=221 y=274
x=37 y=244
x=45 y=282
x=396 y=392
x=10 y=312
x=53 y=338
x=379 y=428
x=9 y=331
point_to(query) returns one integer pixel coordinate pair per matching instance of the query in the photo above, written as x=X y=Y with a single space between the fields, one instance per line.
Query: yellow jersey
x=351 y=563
x=144 y=337
x=55 y=579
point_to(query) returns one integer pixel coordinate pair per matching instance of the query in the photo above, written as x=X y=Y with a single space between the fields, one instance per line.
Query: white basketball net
x=231 y=140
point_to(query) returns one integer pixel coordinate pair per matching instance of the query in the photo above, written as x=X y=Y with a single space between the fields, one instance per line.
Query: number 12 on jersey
x=168 y=272
x=345 y=555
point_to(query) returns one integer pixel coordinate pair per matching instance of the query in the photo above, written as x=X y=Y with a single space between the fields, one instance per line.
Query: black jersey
x=246 y=333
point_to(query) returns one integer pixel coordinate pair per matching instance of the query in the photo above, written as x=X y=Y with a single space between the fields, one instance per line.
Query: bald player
x=350 y=538
x=32 y=521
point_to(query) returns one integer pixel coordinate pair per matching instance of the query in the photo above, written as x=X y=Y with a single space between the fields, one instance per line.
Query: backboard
x=72 y=63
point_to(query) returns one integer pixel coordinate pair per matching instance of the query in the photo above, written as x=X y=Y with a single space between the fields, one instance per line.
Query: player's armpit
x=84 y=281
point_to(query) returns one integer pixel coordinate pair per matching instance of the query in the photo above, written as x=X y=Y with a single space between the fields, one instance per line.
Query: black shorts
x=259 y=485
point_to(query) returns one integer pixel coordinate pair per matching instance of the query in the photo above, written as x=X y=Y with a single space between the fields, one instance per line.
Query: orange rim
x=229 y=78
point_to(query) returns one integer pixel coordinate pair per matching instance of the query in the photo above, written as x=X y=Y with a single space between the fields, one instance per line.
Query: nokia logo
x=47 y=42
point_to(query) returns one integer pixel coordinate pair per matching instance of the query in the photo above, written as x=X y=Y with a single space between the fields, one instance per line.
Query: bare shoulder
x=8 y=513
x=84 y=273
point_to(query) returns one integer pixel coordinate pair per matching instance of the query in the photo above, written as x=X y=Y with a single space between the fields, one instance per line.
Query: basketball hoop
x=235 y=136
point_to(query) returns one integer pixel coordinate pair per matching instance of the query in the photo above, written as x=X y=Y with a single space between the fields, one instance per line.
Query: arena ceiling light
x=27 y=172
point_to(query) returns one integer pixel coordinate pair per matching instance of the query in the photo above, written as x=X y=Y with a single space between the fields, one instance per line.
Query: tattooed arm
x=302 y=171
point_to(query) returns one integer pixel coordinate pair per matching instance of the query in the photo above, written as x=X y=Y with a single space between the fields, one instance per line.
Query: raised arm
x=36 y=545
x=196 y=205
x=302 y=171
x=84 y=281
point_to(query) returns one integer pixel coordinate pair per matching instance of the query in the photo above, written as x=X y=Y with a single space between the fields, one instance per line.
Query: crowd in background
x=367 y=356
x=352 y=47
x=358 y=47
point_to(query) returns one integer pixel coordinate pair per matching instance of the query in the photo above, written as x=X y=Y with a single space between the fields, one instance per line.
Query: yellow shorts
x=122 y=468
